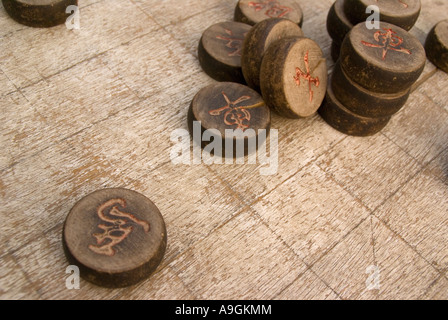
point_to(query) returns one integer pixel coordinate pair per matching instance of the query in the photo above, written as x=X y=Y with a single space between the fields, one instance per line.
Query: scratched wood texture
x=92 y=108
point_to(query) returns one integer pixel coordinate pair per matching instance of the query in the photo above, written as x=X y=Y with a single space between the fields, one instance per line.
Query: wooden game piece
x=437 y=45
x=388 y=60
x=335 y=50
x=220 y=51
x=258 y=40
x=293 y=77
x=228 y=106
x=402 y=13
x=39 y=13
x=363 y=102
x=345 y=121
x=117 y=237
x=338 y=25
x=253 y=12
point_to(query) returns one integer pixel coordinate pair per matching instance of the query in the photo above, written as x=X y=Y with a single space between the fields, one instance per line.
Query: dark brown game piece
x=220 y=51
x=253 y=12
x=402 y=13
x=338 y=25
x=363 y=102
x=437 y=45
x=230 y=107
x=39 y=13
x=335 y=50
x=293 y=77
x=117 y=237
x=258 y=40
x=345 y=121
x=388 y=60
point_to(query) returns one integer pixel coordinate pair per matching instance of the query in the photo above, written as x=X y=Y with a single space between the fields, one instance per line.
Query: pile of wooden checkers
x=344 y=14
x=118 y=237
x=376 y=69
x=263 y=62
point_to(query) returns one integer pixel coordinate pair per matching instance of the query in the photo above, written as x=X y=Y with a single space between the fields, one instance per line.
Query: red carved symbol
x=273 y=8
x=389 y=41
x=235 y=44
x=117 y=230
x=234 y=114
x=402 y=2
x=307 y=76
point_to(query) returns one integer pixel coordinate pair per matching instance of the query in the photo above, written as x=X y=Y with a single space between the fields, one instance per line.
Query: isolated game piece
x=252 y=12
x=117 y=237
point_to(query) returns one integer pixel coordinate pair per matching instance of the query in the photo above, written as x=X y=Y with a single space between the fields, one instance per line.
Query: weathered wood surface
x=94 y=108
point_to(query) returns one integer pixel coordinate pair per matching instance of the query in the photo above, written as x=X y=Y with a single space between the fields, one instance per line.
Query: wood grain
x=117 y=237
x=365 y=172
x=318 y=223
x=403 y=274
x=216 y=270
x=421 y=222
x=420 y=137
x=94 y=108
x=307 y=287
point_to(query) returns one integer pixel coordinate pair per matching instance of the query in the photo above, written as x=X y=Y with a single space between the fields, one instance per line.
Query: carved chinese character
x=234 y=114
x=307 y=76
x=402 y=2
x=236 y=44
x=388 y=40
x=116 y=230
x=273 y=8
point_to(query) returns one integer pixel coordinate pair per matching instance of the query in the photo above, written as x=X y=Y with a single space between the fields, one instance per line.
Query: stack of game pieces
x=437 y=45
x=372 y=79
x=344 y=14
x=283 y=70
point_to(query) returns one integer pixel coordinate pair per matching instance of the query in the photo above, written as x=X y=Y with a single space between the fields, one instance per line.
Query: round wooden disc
x=363 y=102
x=402 y=13
x=338 y=25
x=252 y=12
x=345 y=121
x=117 y=237
x=38 y=13
x=293 y=77
x=335 y=50
x=220 y=51
x=388 y=60
x=437 y=45
x=229 y=106
x=258 y=40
